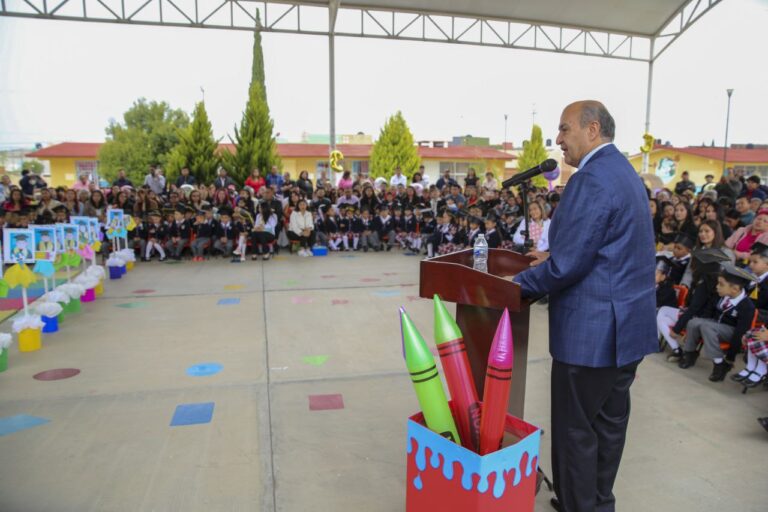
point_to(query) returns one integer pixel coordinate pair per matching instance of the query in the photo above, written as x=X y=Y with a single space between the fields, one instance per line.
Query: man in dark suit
x=599 y=275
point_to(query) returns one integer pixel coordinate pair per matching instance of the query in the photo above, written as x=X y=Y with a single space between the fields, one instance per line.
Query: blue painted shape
x=192 y=414
x=228 y=302
x=204 y=369
x=417 y=483
x=387 y=293
x=348 y=256
x=11 y=424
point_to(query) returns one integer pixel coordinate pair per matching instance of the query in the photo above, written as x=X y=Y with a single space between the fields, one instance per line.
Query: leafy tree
x=36 y=166
x=197 y=149
x=533 y=154
x=255 y=146
x=394 y=148
x=257 y=64
x=148 y=133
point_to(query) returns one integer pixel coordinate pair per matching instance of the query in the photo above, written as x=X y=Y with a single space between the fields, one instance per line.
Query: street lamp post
x=505 y=133
x=727 y=121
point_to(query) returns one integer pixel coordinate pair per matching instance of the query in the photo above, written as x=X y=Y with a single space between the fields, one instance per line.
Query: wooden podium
x=480 y=300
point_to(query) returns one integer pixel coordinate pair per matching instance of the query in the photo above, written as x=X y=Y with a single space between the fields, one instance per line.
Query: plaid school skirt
x=757 y=347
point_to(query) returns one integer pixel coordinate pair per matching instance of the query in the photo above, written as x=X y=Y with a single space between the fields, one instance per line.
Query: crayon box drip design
x=442 y=475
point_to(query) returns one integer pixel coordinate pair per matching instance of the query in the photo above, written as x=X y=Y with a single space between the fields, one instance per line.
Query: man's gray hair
x=592 y=111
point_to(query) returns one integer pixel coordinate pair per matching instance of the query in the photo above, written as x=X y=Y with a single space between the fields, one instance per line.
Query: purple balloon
x=552 y=175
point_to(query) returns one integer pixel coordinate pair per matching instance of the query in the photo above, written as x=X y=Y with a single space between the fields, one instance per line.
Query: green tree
x=36 y=166
x=394 y=148
x=196 y=150
x=148 y=133
x=533 y=154
x=257 y=64
x=255 y=146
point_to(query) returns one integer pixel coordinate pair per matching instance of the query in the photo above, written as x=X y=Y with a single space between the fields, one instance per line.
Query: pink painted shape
x=325 y=402
x=301 y=300
x=339 y=302
x=412 y=298
x=57 y=374
x=329 y=276
x=370 y=280
x=390 y=273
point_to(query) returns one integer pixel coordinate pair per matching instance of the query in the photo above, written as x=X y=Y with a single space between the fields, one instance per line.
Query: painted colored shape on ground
x=315 y=360
x=370 y=280
x=412 y=298
x=192 y=414
x=387 y=293
x=328 y=276
x=390 y=273
x=11 y=424
x=325 y=402
x=204 y=369
x=339 y=302
x=301 y=300
x=290 y=282
x=132 y=305
x=143 y=291
x=228 y=302
x=233 y=287
x=57 y=374
x=279 y=258
x=348 y=256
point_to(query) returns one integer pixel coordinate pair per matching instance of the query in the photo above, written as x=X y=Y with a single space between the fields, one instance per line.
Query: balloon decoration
x=336 y=158
x=552 y=176
x=647 y=146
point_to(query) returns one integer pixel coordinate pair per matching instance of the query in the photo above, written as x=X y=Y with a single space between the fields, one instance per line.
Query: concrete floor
x=693 y=445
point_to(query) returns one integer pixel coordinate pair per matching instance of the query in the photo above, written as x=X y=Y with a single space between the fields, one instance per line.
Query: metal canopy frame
x=337 y=19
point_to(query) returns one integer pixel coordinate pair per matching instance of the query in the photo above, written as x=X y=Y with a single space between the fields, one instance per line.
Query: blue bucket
x=123 y=270
x=50 y=323
x=115 y=273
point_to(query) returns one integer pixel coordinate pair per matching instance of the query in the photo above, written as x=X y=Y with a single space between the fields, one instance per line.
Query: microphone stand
x=527 y=242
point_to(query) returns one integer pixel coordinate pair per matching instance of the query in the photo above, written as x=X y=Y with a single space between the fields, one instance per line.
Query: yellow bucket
x=128 y=265
x=29 y=340
x=99 y=288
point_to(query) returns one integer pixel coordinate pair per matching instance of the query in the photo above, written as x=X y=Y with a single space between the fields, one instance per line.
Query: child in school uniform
x=681 y=257
x=178 y=233
x=473 y=224
x=755 y=371
x=729 y=321
x=263 y=233
x=445 y=236
x=345 y=227
x=363 y=227
x=665 y=291
x=243 y=225
x=398 y=224
x=428 y=229
x=331 y=229
x=671 y=321
x=383 y=227
x=411 y=237
x=203 y=230
x=225 y=233
x=154 y=236
x=491 y=234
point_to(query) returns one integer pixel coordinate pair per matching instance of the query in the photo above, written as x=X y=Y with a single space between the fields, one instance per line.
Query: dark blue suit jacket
x=600 y=273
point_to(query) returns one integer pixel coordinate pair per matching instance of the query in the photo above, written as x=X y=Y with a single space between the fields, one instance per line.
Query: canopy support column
x=648 y=96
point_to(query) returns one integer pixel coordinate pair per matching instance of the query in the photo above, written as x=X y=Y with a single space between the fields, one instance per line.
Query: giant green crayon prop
x=498 y=381
x=458 y=375
x=426 y=381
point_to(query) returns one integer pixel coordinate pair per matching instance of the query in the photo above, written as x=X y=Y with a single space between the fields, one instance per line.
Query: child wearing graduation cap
x=671 y=321
x=665 y=290
x=203 y=231
x=756 y=340
x=153 y=232
x=179 y=232
x=728 y=321
x=225 y=233
x=411 y=230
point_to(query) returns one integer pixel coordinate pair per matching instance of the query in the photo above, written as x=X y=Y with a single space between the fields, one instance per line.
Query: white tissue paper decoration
x=5 y=340
x=127 y=254
x=95 y=271
x=49 y=309
x=115 y=261
x=27 y=322
x=55 y=296
x=73 y=290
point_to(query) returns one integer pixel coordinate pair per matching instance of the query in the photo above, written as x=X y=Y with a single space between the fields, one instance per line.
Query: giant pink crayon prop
x=498 y=381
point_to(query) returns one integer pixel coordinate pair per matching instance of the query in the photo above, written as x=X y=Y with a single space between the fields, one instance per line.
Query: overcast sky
x=65 y=80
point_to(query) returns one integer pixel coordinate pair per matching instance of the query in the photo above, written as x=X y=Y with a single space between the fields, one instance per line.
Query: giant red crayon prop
x=458 y=375
x=498 y=380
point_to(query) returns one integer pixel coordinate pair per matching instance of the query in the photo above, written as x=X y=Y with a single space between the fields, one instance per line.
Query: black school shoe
x=719 y=371
x=688 y=359
x=675 y=356
x=763 y=422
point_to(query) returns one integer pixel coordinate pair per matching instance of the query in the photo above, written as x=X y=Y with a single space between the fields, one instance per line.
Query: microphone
x=545 y=166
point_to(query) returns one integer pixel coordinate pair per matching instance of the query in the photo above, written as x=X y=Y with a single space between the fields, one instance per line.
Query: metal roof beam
x=680 y=21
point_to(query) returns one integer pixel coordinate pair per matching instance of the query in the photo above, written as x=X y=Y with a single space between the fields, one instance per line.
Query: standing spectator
x=122 y=180
x=274 y=179
x=83 y=183
x=185 y=178
x=398 y=178
x=685 y=184
x=471 y=179
x=31 y=182
x=155 y=180
x=753 y=189
x=345 y=182
x=445 y=180
x=490 y=182
x=5 y=187
x=305 y=184
x=223 y=181
x=255 y=180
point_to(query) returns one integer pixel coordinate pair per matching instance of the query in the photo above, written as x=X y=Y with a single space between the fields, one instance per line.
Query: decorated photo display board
x=46 y=245
x=93 y=223
x=18 y=246
x=84 y=233
x=69 y=236
x=115 y=221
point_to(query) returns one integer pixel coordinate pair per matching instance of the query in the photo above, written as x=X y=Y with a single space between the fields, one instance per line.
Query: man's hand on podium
x=540 y=257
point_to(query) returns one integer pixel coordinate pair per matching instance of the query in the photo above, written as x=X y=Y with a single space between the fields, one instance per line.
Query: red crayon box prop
x=443 y=475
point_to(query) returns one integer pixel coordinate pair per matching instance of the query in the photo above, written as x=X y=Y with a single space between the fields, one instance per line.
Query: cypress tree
x=394 y=148
x=197 y=149
x=533 y=154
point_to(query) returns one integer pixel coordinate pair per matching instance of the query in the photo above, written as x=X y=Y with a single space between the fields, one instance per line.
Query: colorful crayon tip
x=417 y=354
x=501 y=354
x=446 y=328
x=402 y=333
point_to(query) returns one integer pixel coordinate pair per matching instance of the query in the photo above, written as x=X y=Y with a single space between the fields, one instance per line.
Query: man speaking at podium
x=599 y=275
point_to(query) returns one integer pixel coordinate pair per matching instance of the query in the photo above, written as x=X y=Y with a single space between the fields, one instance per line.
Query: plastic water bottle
x=480 y=254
